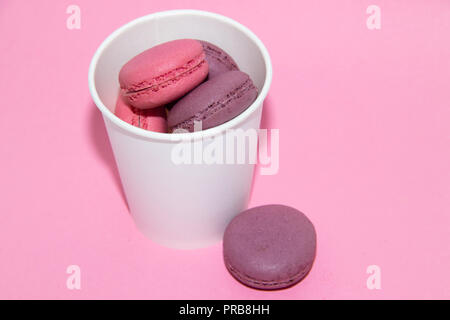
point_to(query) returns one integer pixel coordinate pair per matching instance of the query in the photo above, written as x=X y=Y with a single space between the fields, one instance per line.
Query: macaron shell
x=163 y=73
x=269 y=247
x=219 y=61
x=157 y=61
x=151 y=119
x=231 y=109
x=214 y=102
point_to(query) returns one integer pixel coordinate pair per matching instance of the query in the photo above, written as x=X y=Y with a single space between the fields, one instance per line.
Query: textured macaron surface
x=152 y=119
x=214 y=102
x=219 y=61
x=269 y=247
x=163 y=73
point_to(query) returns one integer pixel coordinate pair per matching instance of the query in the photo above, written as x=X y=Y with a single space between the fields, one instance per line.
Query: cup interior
x=148 y=31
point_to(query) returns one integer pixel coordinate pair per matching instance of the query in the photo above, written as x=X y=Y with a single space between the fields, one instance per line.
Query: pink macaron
x=163 y=73
x=152 y=119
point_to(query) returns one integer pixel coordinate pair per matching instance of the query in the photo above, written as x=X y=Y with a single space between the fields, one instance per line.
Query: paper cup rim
x=180 y=136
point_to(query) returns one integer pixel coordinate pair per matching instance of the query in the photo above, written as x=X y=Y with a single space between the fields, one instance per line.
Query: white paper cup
x=179 y=206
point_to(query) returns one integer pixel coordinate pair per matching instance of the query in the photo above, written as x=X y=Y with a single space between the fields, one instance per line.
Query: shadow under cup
x=178 y=205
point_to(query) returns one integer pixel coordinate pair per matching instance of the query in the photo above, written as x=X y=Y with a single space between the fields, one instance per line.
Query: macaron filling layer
x=166 y=79
x=136 y=121
x=217 y=105
x=269 y=284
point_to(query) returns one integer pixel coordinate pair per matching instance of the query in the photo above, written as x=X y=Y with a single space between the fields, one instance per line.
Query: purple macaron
x=218 y=60
x=269 y=247
x=214 y=102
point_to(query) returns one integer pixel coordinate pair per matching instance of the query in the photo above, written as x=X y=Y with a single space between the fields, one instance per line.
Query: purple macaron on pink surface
x=214 y=102
x=269 y=247
x=163 y=73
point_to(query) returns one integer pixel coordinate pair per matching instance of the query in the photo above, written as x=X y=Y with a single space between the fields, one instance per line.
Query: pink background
x=365 y=136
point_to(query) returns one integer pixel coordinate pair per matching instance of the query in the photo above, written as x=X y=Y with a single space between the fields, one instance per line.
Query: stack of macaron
x=172 y=86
